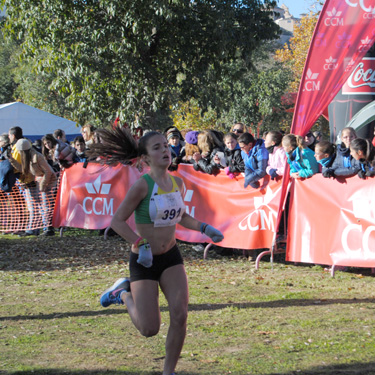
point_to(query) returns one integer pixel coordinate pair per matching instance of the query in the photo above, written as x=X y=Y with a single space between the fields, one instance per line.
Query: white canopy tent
x=34 y=122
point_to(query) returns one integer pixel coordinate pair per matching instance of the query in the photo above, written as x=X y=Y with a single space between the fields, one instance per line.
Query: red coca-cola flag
x=345 y=31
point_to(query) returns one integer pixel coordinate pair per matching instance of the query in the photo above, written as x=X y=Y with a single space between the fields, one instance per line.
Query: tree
x=135 y=58
x=293 y=55
x=7 y=82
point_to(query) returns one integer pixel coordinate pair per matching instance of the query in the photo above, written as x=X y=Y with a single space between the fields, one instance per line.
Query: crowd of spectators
x=34 y=168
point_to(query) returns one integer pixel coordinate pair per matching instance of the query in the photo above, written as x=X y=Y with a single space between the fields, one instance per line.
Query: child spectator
x=325 y=154
x=345 y=165
x=277 y=157
x=80 y=146
x=310 y=141
x=56 y=151
x=60 y=135
x=255 y=158
x=318 y=136
x=232 y=156
x=300 y=158
x=191 y=147
x=209 y=145
x=176 y=146
x=363 y=151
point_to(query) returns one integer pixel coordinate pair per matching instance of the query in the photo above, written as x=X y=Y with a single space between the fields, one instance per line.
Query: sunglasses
x=237 y=131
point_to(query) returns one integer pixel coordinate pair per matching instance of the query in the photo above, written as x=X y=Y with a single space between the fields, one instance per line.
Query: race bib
x=169 y=209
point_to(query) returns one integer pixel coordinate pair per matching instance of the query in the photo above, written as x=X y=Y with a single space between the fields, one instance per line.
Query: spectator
x=5 y=147
x=363 y=151
x=60 y=135
x=209 y=145
x=310 y=141
x=87 y=132
x=255 y=157
x=277 y=157
x=325 y=154
x=40 y=194
x=191 y=146
x=232 y=156
x=344 y=164
x=7 y=176
x=80 y=146
x=318 y=136
x=37 y=144
x=300 y=158
x=58 y=151
x=238 y=128
x=15 y=133
x=176 y=147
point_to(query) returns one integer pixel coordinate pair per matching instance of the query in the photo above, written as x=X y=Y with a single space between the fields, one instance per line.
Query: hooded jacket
x=255 y=164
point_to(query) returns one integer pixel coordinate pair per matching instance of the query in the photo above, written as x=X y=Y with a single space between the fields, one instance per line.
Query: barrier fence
x=330 y=221
x=25 y=208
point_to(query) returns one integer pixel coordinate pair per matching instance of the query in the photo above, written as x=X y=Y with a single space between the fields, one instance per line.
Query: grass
x=281 y=319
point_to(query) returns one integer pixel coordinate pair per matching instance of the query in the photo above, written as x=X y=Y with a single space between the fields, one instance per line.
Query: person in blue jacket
x=344 y=164
x=255 y=157
x=300 y=158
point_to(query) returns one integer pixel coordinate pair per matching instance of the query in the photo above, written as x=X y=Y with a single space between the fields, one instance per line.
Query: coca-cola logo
x=362 y=79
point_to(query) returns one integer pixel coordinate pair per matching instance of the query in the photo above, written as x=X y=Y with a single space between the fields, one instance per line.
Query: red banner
x=332 y=222
x=88 y=198
x=246 y=217
x=345 y=31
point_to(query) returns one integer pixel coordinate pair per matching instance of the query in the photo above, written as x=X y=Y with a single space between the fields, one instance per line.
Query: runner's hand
x=145 y=255
x=212 y=232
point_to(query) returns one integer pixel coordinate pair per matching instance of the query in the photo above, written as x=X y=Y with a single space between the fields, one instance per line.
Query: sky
x=296 y=7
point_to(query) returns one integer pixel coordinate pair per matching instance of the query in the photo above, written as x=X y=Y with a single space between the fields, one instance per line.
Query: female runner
x=155 y=259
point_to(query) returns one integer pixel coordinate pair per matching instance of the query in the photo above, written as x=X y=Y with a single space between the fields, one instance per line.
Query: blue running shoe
x=112 y=295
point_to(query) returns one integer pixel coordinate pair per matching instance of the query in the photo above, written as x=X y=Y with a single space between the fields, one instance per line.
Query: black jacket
x=234 y=160
x=208 y=164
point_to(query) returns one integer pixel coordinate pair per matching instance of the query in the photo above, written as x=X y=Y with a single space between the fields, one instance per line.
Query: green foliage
x=188 y=115
x=7 y=82
x=137 y=58
x=256 y=99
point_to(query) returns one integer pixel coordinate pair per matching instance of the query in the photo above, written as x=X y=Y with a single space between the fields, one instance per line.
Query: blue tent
x=34 y=122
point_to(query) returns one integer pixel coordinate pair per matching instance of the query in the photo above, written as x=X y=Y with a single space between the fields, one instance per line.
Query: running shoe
x=112 y=295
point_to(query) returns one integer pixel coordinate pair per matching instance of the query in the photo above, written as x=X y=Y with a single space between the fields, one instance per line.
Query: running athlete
x=155 y=259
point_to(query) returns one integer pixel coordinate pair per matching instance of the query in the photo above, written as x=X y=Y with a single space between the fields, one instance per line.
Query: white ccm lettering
x=99 y=206
x=312 y=86
x=365 y=240
x=334 y=22
x=251 y=221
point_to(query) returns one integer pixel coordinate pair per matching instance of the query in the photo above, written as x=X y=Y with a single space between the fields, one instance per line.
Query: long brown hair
x=25 y=161
x=294 y=141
